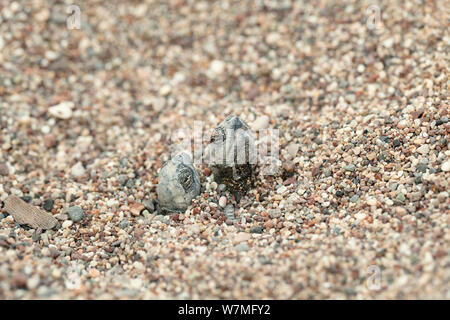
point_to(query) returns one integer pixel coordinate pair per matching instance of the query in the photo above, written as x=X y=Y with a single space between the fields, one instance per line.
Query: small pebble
x=124 y=224
x=136 y=208
x=257 y=229
x=78 y=170
x=242 y=247
x=400 y=197
x=48 y=205
x=67 y=224
x=242 y=236
x=260 y=123
x=94 y=273
x=446 y=166
x=4 y=170
x=421 y=167
x=75 y=213
x=281 y=189
x=293 y=149
x=424 y=149
x=441 y=121
x=223 y=201
x=62 y=110
x=351 y=167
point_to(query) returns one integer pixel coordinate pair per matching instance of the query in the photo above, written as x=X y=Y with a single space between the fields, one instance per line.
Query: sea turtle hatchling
x=232 y=155
x=178 y=184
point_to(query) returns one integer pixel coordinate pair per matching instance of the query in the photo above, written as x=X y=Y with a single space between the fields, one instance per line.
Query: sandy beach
x=91 y=93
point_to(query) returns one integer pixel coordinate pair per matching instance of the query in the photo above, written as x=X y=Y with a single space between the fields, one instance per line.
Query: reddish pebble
x=94 y=273
x=4 y=170
x=136 y=208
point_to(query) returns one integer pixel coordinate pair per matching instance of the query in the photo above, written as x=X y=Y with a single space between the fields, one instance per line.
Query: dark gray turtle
x=178 y=184
x=231 y=155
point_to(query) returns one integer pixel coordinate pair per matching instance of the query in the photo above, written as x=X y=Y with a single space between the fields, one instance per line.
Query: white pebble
x=292 y=149
x=158 y=103
x=33 y=282
x=165 y=90
x=261 y=123
x=402 y=124
x=112 y=203
x=217 y=67
x=223 y=201
x=51 y=55
x=78 y=170
x=424 y=149
x=281 y=189
x=62 y=110
x=67 y=224
x=273 y=38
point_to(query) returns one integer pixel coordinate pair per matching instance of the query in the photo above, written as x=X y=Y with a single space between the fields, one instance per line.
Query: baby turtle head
x=233 y=122
x=232 y=143
x=178 y=183
x=185 y=177
x=218 y=136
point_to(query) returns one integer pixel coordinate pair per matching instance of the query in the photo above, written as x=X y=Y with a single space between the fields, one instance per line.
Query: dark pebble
x=396 y=143
x=48 y=205
x=441 y=121
x=27 y=199
x=421 y=167
x=339 y=193
x=257 y=229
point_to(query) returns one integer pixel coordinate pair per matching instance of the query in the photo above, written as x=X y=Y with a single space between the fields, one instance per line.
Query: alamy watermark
x=73 y=21
x=373 y=22
x=73 y=281
x=373 y=282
